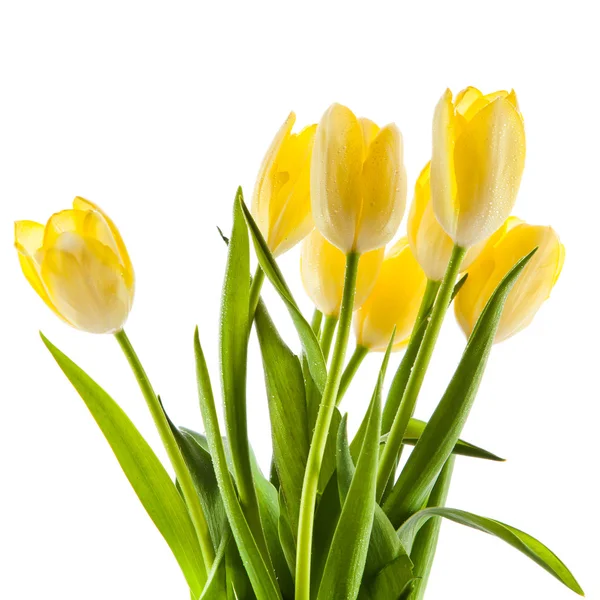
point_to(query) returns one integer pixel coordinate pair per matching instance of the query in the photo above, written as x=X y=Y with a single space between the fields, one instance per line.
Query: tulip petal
x=68 y=220
x=369 y=130
x=265 y=181
x=443 y=181
x=336 y=168
x=384 y=191
x=489 y=158
x=80 y=203
x=290 y=216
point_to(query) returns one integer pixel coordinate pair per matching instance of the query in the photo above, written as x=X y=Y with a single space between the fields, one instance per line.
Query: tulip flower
x=281 y=200
x=430 y=244
x=477 y=161
x=394 y=301
x=531 y=289
x=79 y=266
x=358 y=181
x=322 y=267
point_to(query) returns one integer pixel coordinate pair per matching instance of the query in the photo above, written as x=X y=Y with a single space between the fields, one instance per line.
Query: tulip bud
x=430 y=244
x=477 y=162
x=532 y=288
x=79 y=266
x=322 y=267
x=394 y=301
x=281 y=200
x=358 y=181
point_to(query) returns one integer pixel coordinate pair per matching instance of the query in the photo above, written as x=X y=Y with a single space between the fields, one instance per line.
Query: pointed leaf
x=308 y=339
x=145 y=473
x=443 y=429
x=520 y=540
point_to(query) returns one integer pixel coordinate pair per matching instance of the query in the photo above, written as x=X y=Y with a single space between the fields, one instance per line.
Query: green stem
x=360 y=352
x=317 y=447
x=393 y=445
x=255 y=288
x=329 y=325
x=408 y=360
x=174 y=453
x=425 y=544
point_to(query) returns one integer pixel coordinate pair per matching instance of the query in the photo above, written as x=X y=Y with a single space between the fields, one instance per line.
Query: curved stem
x=317 y=447
x=329 y=325
x=255 y=288
x=174 y=453
x=393 y=445
x=360 y=352
x=315 y=322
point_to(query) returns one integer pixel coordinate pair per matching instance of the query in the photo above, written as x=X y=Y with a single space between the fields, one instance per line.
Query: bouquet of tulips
x=336 y=517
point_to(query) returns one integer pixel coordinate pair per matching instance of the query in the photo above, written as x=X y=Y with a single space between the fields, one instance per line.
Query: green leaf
x=145 y=473
x=287 y=410
x=415 y=430
x=286 y=536
x=516 y=538
x=308 y=339
x=442 y=432
x=393 y=582
x=261 y=576
x=216 y=584
x=348 y=553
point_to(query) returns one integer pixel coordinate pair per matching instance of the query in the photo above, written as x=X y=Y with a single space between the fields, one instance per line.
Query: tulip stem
x=173 y=451
x=391 y=450
x=359 y=354
x=317 y=447
x=315 y=322
x=329 y=325
x=255 y=289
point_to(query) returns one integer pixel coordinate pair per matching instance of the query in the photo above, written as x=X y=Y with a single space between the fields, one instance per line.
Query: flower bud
x=281 y=200
x=430 y=244
x=323 y=266
x=358 y=181
x=79 y=266
x=394 y=301
x=532 y=288
x=477 y=161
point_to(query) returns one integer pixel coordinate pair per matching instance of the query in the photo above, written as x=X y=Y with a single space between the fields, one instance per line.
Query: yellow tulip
x=79 y=266
x=281 y=200
x=322 y=267
x=358 y=181
x=394 y=301
x=430 y=244
x=477 y=162
x=533 y=286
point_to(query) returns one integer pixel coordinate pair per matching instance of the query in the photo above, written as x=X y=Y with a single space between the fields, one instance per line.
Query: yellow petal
x=384 y=191
x=69 y=220
x=369 y=130
x=80 y=203
x=443 y=182
x=265 y=181
x=394 y=301
x=290 y=216
x=85 y=282
x=489 y=158
x=336 y=167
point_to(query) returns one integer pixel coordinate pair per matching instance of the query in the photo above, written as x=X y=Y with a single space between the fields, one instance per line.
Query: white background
x=157 y=111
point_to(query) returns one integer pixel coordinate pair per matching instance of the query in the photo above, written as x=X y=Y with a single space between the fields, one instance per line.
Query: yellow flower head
x=394 y=301
x=281 y=200
x=430 y=244
x=79 y=266
x=358 y=181
x=514 y=241
x=323 y=266
x=477 y=162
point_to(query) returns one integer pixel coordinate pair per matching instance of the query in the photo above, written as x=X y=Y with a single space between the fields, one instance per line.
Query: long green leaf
x=288 y=412
x=307 y=336
x=348 y=553
x=147 y=476
x=216 y=585
x=520 y=540
x=443 y=429
x=261 y=576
